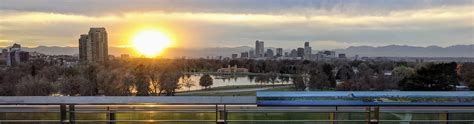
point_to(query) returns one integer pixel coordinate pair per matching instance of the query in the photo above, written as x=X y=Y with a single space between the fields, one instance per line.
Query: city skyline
x=325 y=24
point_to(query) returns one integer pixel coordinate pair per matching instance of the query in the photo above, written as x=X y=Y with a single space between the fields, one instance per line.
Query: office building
x=293 y=53
x=307 y=51
x=269 y=53
x=234 y=56
x=244 y=55
x=300 y=52
x=252 y=54
x=342 y=56
x=329 y=54
x=259 y=49
x=93 y=47
x=279 y=52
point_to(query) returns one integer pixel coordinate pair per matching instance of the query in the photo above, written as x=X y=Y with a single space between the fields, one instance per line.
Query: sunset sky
x=228 y=23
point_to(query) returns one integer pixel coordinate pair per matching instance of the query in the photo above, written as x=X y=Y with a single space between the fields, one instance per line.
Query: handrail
x=126 y=100
x=221 y=106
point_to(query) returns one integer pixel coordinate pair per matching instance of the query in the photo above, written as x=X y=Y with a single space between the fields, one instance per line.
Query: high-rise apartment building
x=15 y=56
x=259 y=49
x=83 y=45
x=93 y=47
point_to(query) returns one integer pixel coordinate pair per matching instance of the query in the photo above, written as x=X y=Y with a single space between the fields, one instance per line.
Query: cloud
x=234 y=23
x=311 y=7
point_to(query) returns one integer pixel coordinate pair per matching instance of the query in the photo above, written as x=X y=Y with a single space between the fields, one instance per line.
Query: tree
x=169 y=82
x=365 y=77
x=344 y=86
x=403 y=72
x=71 y=85
x=273 y=78
x=205 y=81
x=321 y=77
x=299 y=82
x=112 y=82
x=90 y=87
x=155 y=76
x=433 y=77
x=142 y=82
x=466 y=73
x=34 y=86
x=345 y=73
x=262 y=79
x=187 y=81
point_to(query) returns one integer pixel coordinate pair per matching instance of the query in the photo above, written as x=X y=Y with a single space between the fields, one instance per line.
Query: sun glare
x=151 y=43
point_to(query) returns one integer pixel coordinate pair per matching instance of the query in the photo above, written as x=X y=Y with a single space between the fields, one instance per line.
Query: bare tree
x=142 y=82
x=34 y=86
x=169 y=82
x=187 y=81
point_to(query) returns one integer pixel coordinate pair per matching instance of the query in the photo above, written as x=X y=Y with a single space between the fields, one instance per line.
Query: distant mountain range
x=369 y=51
x=410 y=51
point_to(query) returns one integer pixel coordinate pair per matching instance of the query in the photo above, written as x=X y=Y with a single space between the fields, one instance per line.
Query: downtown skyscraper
x=93 y=47
x=259 y=49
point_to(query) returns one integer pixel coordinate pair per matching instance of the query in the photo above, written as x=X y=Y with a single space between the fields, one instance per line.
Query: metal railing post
x=376 y=115
x=63 y=114
x=220 y=115
x=368 y=114
x=111 y=116
x=225 y=114
x=72 y=114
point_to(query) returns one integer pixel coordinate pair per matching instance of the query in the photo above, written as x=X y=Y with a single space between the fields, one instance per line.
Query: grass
x=241 y=87
x=246 y=93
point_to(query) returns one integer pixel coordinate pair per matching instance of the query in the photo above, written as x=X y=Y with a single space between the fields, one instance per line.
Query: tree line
x=143 y=77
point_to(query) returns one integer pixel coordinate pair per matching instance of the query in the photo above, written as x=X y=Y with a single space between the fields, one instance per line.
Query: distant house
x=232 y=69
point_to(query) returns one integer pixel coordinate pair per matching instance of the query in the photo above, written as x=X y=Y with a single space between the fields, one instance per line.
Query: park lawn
x=246 y=93
x=241 y=87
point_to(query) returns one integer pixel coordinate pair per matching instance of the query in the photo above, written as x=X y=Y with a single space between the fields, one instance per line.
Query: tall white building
x=93 y=47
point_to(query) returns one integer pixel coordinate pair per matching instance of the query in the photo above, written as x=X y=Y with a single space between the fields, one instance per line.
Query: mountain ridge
x=369 y=51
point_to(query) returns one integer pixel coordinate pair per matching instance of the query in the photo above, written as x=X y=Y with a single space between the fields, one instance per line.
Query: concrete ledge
x=123 y=100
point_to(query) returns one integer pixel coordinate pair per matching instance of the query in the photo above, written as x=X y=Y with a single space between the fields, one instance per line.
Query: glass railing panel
x=461 y=116
x=90 y=116
x=165 y=116
x=29 y=116
x=277 y=116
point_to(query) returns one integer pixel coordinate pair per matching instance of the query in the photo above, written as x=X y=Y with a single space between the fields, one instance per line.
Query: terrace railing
x=213 y=109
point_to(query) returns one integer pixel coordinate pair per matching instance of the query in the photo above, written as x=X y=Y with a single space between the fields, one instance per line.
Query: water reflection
x=229 y=80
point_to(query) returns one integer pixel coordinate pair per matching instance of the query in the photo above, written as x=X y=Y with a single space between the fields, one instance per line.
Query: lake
x=229 y=80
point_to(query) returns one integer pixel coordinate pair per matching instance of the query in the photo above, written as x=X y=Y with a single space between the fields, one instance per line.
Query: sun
x=150 y=43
